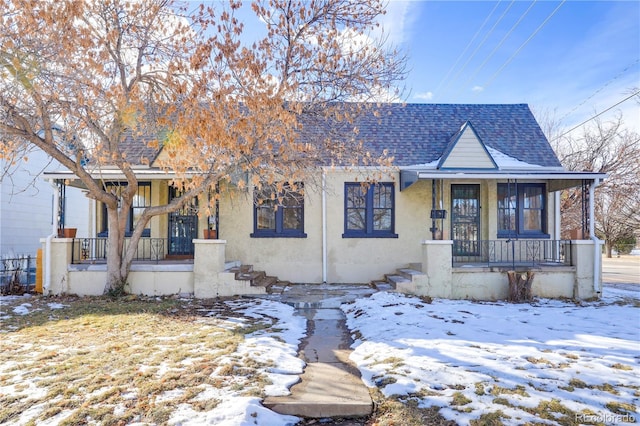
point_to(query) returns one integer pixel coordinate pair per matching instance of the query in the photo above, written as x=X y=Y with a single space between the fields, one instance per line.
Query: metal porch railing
x=94 y=250
x=512 y=253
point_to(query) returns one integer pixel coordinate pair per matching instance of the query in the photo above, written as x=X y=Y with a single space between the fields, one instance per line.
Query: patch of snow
x=22 y=309
x=56 y=306
x=408 y=347
x=504 y=161
x=239 y=411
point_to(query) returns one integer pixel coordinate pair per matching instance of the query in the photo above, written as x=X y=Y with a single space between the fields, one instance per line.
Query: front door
x=182 y=230
x=183 y=227
x=465 y=219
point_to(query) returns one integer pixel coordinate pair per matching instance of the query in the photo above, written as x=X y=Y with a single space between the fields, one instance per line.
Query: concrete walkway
x=330 y=385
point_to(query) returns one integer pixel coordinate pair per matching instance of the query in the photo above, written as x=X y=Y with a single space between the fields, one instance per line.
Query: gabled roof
x=417 y=134
x=466 y=151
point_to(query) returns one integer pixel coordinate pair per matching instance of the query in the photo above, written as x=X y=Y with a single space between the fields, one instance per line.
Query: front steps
x=404 y=280
x=271 y=285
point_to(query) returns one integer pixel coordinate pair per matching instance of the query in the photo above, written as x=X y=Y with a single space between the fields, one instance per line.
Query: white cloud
x=398 y=20
x=425 y=96
x=477 y=89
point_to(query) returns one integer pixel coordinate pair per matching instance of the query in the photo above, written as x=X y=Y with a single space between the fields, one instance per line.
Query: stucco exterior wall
x=293 y=259
x=360 y=260
x=350 y=260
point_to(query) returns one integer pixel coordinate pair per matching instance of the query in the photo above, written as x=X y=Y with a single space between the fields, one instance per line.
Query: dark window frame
x=279 y=209
x=370 y=196
x=129 y=228
x=517 y=209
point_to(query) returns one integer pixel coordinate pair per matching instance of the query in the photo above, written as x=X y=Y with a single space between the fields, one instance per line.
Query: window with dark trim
x=141 y=200
x=369 y=211
x=279 y=215
x=522 y=210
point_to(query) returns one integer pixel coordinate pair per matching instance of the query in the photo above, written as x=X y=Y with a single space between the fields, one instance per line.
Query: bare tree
x=79 y=78
x=607 y=148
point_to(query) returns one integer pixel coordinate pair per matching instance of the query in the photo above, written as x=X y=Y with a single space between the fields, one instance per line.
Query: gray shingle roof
x=135 y=148
x=420 y=133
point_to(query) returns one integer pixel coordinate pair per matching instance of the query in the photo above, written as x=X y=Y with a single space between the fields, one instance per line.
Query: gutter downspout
x=54 y=233
x=597 y=255
x=324 y=226
x=557 y=228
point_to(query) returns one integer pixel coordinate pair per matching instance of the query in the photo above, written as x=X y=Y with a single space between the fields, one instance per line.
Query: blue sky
x=572 y=58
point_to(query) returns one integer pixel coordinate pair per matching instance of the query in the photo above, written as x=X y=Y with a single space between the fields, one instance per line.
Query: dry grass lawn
x=111 y=362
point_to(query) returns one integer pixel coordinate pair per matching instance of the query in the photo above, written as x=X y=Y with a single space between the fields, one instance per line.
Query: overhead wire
x=600 y=89
x=597 y=115
x=537 y=30
x=481 y=43
x=467 y=47
x=495 y=49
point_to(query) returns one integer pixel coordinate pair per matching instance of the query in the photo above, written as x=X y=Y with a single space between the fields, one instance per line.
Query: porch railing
x=94 y=250
x=512 y=253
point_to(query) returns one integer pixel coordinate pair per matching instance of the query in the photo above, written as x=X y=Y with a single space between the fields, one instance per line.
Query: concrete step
x=326 y=390
x=408 y=273
x=264 y=281
x=394 y=280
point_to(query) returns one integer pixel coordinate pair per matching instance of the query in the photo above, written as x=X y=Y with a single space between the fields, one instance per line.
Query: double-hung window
x=522 y=210
x=369 y=210
x=279 y=215
x=141 y=200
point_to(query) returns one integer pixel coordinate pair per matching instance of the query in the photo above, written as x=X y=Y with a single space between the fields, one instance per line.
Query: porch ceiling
x=562 y=179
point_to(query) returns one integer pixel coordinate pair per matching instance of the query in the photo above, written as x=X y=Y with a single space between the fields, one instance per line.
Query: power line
x=523 y=44
x=468 y=46
x=481 y=43
x=597 y=115
x=495 y=49
x=600 y=89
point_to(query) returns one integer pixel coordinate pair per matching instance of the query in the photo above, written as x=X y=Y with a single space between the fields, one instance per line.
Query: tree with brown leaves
x=79 y=78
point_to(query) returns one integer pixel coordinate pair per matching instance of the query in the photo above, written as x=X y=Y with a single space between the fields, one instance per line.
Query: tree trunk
x=520 y=285
x=608 y=248
x=116 y=280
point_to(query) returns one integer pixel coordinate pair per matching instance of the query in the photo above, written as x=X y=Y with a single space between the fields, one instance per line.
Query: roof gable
x=466 y=151
x=418 y=134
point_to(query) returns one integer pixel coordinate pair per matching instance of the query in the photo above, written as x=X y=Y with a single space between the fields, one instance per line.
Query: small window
x=278 y=215
x=141 y=200
x=369 y=210
x=522 y=210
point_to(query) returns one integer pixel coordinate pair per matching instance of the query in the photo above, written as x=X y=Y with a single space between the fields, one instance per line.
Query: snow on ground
x=278 y=347
x=468 y=358
x=274 y=342
x=472 y=358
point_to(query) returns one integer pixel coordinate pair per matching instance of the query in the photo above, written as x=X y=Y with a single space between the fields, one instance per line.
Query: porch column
x=436 y=265
x=597 y=252
x=586 y=284
x=208 y=262
x=57 y=259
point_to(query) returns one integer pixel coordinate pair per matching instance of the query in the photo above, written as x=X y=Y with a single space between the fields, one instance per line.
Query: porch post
x=208 y=262
x=597 y=252
x=436 y=265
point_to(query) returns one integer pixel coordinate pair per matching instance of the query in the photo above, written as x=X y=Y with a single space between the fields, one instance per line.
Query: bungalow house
x=473 y=192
